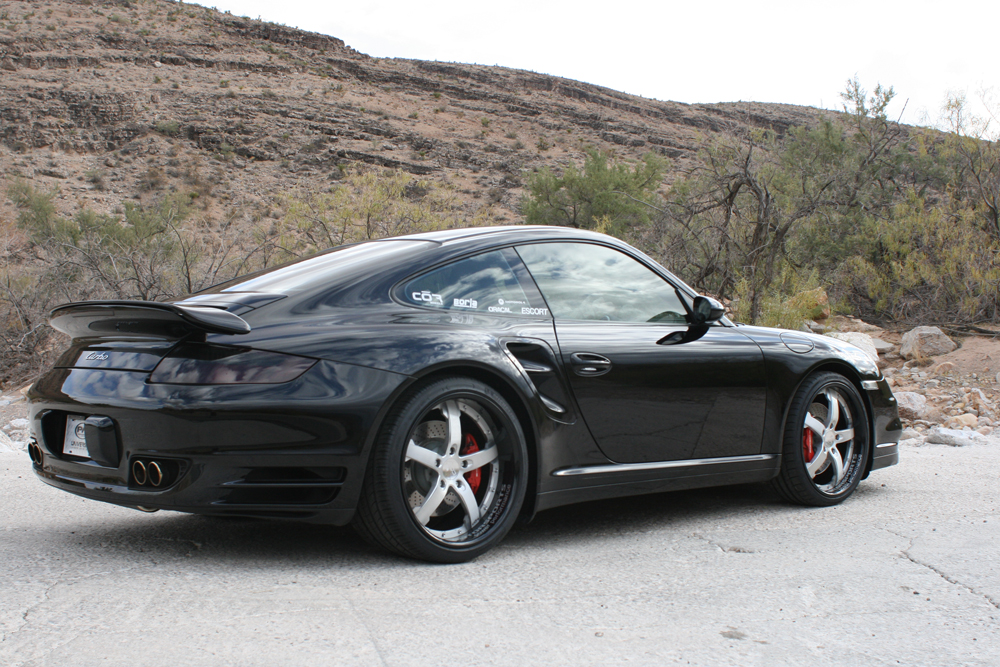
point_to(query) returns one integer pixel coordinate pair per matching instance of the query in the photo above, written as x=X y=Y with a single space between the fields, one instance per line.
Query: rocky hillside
x=112 y=100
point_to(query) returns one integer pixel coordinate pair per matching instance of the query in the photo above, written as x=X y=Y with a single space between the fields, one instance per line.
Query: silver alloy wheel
x=828 y=440
x=451 y=470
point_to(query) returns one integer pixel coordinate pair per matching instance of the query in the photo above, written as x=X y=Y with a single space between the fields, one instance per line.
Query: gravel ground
x=906 y=572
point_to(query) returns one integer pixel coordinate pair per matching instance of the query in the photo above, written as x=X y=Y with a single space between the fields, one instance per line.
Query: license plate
x=75 y=443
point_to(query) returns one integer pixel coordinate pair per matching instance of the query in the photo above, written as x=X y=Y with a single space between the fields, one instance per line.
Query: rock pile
x=938 y=405
x=14 y=435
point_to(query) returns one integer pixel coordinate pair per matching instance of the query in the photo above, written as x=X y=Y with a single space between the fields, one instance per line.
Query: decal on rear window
x=485 y=283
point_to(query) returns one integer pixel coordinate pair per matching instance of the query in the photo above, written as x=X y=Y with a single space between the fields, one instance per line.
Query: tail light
x=194 y=363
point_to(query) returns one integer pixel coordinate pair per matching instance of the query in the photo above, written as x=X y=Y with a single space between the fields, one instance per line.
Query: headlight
x=194 y=363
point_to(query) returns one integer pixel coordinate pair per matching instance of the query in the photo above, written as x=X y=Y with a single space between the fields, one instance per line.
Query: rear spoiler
x=143 y=318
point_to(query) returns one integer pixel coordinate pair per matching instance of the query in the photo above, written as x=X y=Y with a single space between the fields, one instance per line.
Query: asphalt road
x=906 y=572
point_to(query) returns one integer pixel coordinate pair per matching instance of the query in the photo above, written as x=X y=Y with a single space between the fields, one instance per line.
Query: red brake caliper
x=476 y=476
x=807 y=444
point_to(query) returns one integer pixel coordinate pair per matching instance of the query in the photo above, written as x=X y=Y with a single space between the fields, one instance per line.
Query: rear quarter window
x=493 y=283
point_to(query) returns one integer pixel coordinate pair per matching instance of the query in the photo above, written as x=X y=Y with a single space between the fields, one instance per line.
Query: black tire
x=448 y=473
x=825 y=446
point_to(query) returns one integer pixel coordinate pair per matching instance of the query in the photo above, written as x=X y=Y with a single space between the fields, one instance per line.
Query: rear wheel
x=826 y=442
x=447 y=477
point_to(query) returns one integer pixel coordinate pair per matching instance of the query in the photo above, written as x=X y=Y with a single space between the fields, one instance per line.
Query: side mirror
x=706 y=310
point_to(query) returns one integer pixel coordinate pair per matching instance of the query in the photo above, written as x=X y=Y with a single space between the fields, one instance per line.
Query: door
x=642 y=398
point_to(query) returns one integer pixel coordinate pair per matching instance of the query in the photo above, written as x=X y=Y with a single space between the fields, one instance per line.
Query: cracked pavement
x=906 y=572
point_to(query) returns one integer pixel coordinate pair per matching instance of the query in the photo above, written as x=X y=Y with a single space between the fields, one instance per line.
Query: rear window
x=330 y=268
x=487 y=283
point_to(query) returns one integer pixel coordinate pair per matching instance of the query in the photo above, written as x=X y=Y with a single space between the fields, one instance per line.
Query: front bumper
x=887 y=426
x=294 y=450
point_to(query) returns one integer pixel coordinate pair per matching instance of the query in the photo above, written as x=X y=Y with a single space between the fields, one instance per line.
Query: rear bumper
x=296 y=450
x=217 y=488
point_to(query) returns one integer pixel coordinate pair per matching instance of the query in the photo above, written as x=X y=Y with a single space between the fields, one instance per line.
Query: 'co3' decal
x=428 y=297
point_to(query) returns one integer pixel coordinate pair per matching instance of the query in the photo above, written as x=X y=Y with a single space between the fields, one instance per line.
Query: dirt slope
x=109 y=101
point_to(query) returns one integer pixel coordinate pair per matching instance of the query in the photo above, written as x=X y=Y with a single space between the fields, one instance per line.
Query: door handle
x=588 y=364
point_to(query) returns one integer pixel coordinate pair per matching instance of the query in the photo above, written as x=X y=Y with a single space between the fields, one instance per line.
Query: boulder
x=943 y=368
x=813 y=326
x=857 y=339
x=909 y=434
x=977 y=399
x=923 y=342
x=8 y=445
x=847 y=323
x=948 y=436
x=911 y=405
x=882 y=346
x=961 y=421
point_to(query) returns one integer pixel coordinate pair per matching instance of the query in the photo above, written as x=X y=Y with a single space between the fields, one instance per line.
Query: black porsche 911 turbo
x=434 y=389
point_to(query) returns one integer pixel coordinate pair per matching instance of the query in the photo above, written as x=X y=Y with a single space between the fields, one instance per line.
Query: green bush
x=171 y=128
x=616 y=194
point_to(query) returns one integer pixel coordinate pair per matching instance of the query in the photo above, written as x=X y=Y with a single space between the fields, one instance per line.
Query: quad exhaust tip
x=149 y=473
x=139 y=473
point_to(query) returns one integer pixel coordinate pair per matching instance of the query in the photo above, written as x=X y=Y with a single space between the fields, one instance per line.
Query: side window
x=487 y=284
x=583 y=281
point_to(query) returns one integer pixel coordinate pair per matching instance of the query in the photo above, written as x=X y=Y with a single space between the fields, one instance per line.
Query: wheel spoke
x=479 y=459
x=813 y=467
x=815 y=425
x=834 y=415
x=454 y=417
x=845 y=435
x=468 y=502
x=422 y=455
x=431 y=502
x=838 y=466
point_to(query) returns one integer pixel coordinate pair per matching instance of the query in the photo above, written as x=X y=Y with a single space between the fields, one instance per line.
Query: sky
x=800 y=52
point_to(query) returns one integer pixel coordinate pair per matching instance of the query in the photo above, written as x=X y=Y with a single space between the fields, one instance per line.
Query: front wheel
x=825 y=446
x=448 y=474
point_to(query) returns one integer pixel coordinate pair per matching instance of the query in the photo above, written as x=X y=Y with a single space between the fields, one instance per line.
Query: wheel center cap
x=829 y=438
x=450 y=467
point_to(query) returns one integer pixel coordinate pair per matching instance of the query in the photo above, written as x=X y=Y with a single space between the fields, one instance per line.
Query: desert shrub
x=618 y=193
x=95 y=177
x=369 y=205
x=780 y=306
x=152 y=179
x=171 y=128
x=147 y=252
x=924 y=262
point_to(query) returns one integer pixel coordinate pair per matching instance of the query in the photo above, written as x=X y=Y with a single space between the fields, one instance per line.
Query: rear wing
x=142 y=318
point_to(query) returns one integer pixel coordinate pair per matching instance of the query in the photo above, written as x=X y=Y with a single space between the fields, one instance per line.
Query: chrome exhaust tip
x=139 y=473
x=35 y=452
x=148 y=510
x=154 y=473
